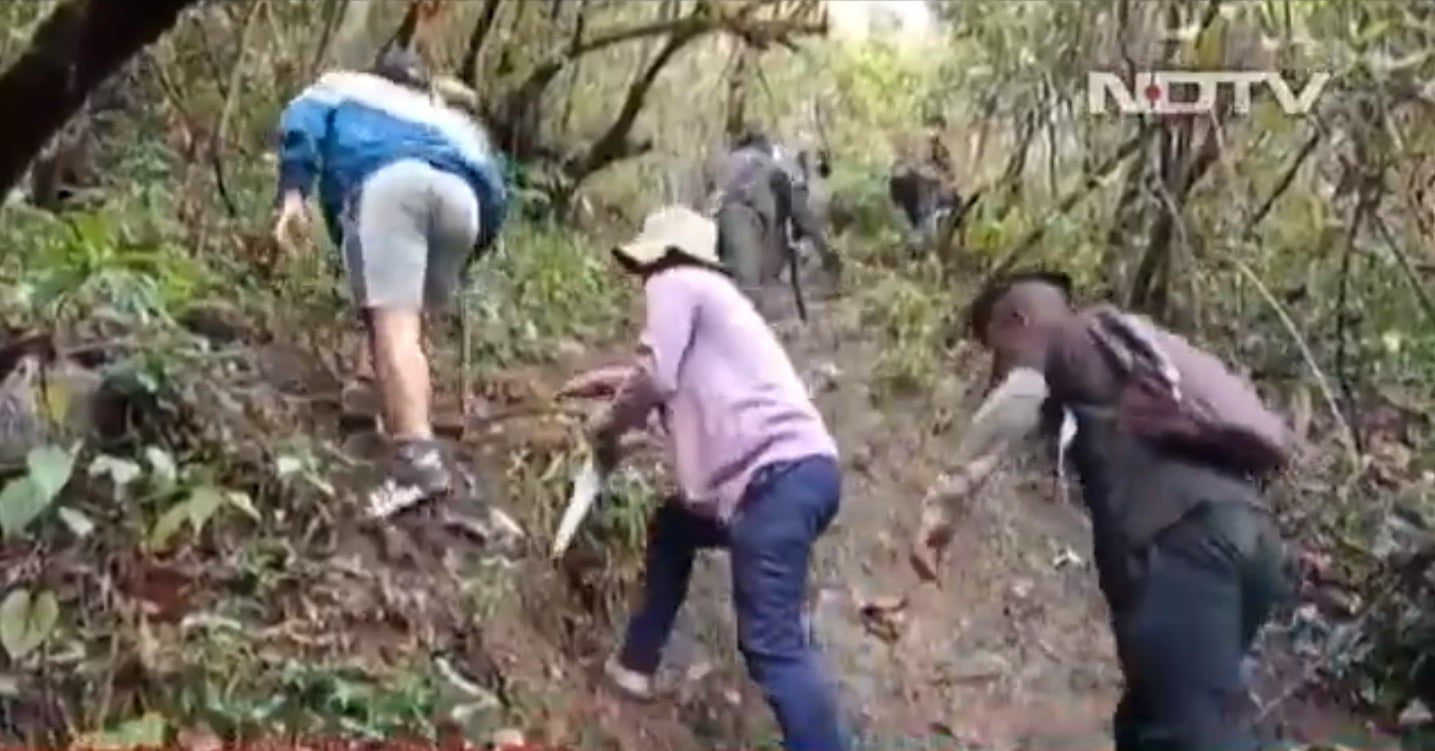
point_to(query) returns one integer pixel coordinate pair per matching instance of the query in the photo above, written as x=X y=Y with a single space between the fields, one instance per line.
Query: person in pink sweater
x=755 y=462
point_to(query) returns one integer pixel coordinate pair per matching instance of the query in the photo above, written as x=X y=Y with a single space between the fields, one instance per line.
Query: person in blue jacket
x=410 y=189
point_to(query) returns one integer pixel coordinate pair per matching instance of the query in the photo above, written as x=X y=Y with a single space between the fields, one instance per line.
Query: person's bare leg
x=402 y=372
x=364 y=358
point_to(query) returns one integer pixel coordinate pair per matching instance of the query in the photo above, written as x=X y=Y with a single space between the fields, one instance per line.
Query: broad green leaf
x=242 y=502
x=168 y=524
x=121 y=472
x=25 y=622
x=203 y=501
x=20 y=502
x=146 y=731
x=50 y=469
x=56 y=399
x=14 y=617
x=287 y=465
x=78 y=521
x=44 y=613
x=164 y=471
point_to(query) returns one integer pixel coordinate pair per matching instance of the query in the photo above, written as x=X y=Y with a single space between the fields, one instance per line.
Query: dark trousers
x=1202 y=591
x=787 y=506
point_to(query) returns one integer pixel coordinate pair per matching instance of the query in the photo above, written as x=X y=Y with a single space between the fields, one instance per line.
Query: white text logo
x=1151 y=91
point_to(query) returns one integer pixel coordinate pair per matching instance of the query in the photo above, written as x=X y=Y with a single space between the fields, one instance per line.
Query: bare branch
x=1406 y=269
x=1321 y=380
x=73 y=51
x=468 y=68
x=1284 y=183
x=1092 y=182
x=615 y=143
x=216 y=137
x=333 y=15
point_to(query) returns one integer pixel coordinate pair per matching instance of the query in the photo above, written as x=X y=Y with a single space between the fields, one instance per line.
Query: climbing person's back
x=412 y=192
x=760 y=199
x=739 y=404
x=356 y=123
x=1169 y=445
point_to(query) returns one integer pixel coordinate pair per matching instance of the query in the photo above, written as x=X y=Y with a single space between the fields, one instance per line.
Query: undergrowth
x=189 y=569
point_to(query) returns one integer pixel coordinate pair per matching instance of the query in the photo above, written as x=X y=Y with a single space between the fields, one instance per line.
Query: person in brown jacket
x=1170 y=448
x=923 y=180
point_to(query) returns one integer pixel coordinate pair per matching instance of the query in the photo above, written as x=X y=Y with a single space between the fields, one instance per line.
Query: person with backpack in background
x=1171 y=449
x=761 y=205
x=810 y=169
x=756 y=466
x=411 y=190
x=923 y=181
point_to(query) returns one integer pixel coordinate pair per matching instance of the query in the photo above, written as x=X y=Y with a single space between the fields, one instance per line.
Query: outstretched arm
x=671 y=317
x=303 y=126
x=1010 y=413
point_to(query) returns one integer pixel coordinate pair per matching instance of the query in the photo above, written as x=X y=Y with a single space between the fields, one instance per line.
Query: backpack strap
x=1127 y=341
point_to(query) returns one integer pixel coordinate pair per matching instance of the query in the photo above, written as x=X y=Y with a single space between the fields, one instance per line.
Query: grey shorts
x=407 y=234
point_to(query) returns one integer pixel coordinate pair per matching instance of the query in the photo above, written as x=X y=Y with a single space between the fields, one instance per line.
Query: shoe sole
x=407 y=498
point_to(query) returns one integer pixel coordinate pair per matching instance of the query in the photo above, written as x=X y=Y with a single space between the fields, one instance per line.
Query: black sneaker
x=420 y=473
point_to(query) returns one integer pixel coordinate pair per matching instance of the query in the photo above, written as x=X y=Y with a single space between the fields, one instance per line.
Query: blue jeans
x=786 y=507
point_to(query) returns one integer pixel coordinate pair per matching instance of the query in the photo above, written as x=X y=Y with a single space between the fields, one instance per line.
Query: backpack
x=1177 y=395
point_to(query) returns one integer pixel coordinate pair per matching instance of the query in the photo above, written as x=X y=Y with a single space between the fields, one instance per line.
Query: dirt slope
x=1013 y=652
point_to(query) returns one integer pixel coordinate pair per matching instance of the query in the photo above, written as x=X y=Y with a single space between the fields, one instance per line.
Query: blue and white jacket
x=348 y=125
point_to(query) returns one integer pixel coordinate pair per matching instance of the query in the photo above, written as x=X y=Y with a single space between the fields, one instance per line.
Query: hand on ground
x=599 y=383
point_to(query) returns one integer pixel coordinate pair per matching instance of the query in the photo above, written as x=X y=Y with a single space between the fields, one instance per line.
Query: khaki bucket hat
x=676 y=229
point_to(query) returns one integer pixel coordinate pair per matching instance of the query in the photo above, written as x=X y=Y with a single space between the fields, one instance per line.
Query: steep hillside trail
x=1012 y=652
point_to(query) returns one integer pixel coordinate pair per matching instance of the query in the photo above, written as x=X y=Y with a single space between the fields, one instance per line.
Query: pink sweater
x=730 y=399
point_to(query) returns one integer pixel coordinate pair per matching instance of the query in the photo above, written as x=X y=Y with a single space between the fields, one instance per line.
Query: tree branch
x=403 y=36
x=80 y=45
x=333 y=15
x=468 y=69
x=615 y=143
x=216 y=138
x=509 y=119
x=1406 y=268
x=1284 y=183
x=1092 y=182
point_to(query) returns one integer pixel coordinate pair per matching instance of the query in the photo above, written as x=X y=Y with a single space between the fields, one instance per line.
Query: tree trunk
x=351 y=47
x=81 y=44
x=735 y=117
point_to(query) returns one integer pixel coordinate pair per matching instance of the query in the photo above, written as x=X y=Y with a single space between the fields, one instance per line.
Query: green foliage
x=167 y=237
x=544 y=285
x=621 y=521
x=907 y=317
x=145 y=731
x=26 y=497
x=25 y=621
x=101 y=262
x=187 y=494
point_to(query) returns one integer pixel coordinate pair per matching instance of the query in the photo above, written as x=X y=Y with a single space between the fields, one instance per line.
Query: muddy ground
x=1012 y=652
